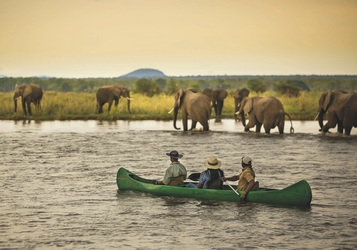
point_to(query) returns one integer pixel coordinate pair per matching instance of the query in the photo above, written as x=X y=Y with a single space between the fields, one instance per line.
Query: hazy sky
x=108 y=38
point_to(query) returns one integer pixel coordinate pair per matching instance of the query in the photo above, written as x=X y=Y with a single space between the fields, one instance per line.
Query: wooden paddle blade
x=194 y=176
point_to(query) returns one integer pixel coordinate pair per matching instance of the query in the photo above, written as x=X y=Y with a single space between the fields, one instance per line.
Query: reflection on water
x=58 y=189
x=216 y=125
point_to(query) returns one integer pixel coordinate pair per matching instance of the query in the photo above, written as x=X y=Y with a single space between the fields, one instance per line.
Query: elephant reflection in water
x=29 y=93
x=266 y=111
x=108 y=94
x=193 y=105
x=342 y=111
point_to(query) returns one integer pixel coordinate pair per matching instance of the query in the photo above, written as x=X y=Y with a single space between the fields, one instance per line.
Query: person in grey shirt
x=176 y=173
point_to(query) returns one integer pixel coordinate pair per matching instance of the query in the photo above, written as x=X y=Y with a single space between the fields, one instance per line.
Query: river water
x=58 y=187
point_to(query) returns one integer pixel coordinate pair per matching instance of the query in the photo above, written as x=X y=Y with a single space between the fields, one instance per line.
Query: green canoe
x=298 y=194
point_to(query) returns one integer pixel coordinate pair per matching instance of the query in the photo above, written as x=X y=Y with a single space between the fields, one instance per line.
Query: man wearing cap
x=246 y=178
x=210 y=178
x=176 y=172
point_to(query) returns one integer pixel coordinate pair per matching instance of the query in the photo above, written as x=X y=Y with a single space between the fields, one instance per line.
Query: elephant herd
x=262 y=111
x=268 y=112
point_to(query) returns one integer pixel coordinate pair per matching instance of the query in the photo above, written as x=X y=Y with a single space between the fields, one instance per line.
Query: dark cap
x=174 y=154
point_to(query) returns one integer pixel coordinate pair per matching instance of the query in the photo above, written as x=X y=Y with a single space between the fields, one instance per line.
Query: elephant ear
x=244 y=92
x=117 y=92
x=179 y=97
x=328 y=99
x=241 y=93
x=16 y=92
x=27 y=90
x=235 y=95
x=222 y=94
x=208 y=92
x=125 y=92
x=17 y=89
x=248 y=105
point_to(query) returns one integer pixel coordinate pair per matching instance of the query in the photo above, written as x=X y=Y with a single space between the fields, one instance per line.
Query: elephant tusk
x=130 y=99
x=237 y=113
x=317 y=116
x=171 y=110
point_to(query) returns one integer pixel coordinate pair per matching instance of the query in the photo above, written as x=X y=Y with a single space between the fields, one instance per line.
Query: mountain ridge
x=144 y=73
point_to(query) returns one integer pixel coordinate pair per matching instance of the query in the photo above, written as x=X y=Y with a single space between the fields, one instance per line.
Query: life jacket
x=215 y=181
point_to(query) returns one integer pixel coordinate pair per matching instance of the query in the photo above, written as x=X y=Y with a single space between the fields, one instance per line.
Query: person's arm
x=202 y=180
x=233 y=178
x=250 y=186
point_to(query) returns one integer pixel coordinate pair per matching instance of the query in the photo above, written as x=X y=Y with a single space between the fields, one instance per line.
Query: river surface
x=58 y=187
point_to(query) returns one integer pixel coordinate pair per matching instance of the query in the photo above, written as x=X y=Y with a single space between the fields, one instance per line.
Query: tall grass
x=82 y=106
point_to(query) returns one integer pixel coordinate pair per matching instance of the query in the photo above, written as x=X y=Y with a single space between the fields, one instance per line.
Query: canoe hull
x=298 y=194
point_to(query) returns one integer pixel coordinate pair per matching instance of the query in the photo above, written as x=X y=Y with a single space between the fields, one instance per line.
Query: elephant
x=29 y=93
x=266 y=111
x=194 y=105
x=108 y=94
x=217 y=97
x=342 y=110
x=239 y=94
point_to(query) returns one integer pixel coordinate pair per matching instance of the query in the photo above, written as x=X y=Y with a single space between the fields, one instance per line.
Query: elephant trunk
x=236 y=108
x=129 y=105
x=15 y=102
x=320 y=118
x=175 y=117
x=242 y=117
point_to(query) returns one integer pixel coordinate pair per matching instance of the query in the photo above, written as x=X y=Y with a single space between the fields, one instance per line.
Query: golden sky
x=109 y=38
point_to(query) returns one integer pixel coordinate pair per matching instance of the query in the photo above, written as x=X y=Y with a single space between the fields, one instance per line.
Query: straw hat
x=213 y=163
x=246 y=160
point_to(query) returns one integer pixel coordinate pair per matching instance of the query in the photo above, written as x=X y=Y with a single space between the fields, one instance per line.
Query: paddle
x=232 y=188
x=196 y=177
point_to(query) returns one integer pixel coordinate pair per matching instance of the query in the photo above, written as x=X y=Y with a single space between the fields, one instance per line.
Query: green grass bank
x=82 y=106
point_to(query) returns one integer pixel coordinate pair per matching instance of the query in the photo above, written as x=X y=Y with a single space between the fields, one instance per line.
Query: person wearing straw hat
x=210 y=178
x=176 y=173
x=246 y=179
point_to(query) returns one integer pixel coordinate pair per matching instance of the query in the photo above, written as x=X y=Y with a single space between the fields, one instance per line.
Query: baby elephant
x=266 y=111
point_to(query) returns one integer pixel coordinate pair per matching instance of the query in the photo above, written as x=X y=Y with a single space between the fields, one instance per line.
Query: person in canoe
x=210 y=178
x=246 y=179
x=176 y=173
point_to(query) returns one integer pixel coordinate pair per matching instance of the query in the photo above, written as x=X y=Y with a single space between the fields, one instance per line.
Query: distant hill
x=145 y=73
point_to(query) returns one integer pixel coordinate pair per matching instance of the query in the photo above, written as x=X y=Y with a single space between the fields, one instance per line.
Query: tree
x=65 y=87
x=286 y=89
x=147 y=87
x=257 y=86
x=298 y=83
x=196 y=86
x=171 y=87
x=204 y=84
x=162 y=82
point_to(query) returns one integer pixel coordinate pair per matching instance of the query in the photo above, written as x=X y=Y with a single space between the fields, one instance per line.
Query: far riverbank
x=82 y=106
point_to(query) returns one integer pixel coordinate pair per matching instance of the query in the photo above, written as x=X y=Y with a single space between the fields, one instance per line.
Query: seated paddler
x=176 y=173
x=246 y=179
x=211 y=177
